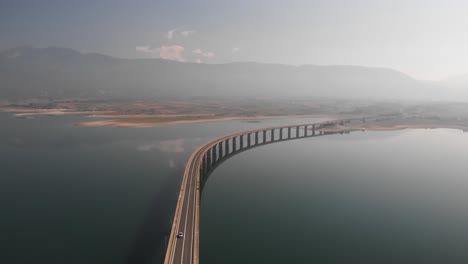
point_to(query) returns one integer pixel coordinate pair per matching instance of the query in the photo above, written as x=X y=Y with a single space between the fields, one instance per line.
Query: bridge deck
x=201 y=163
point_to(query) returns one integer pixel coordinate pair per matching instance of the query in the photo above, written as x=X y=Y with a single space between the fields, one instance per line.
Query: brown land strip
x=399 y=123
x=175 y=120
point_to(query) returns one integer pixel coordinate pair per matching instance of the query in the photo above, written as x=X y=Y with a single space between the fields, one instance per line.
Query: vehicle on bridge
x=205 y=159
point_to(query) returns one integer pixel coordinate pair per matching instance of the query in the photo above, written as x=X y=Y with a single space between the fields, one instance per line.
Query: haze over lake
x=94 y=195
x=366 y=197
x=120 y=120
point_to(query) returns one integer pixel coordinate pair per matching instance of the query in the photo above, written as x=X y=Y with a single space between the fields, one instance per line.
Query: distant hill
x=457 y=80
x=65 y=73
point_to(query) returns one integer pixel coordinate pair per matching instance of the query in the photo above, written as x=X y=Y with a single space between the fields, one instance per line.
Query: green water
x=72 y=194
x=366 y=197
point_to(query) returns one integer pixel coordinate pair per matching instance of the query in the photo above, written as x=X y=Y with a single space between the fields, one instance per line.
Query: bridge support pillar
x=220 y=150
x=208 y=161
x=297 y=131
x=281 y=134
x=226 y=146
x=248 y=139
x=305 y=130
x=234 y=144
x=272 y=135
x=313 y=130
x=213 y=155
x=289 y=132
x=256 y=138
x=264 y=137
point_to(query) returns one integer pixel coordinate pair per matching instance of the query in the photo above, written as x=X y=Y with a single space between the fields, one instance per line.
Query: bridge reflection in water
x=183 y=245
x=222 y=151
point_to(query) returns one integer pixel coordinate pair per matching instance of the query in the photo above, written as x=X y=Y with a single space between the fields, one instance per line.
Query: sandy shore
x=338 y=129
x=32 y=112
x=56 y=113
x=120 y=116
x=401 y=127
x=114 y=119
x=143 y=123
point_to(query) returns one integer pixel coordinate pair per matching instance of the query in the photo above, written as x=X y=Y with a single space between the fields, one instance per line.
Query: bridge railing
x=207 y=157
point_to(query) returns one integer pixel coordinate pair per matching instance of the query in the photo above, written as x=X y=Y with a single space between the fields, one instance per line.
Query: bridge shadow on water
x=205 y=176
x=149 y=244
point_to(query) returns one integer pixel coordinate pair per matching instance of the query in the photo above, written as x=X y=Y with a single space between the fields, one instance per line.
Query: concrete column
x=248 y=140
x=220 y=150
x=281 y=134
x=209 y=154
x=256 y=138
x=213 y=155
x=264 y=137
x=305 y=130
x=226 y=146
x=203 y=164
x=210 y=158
x=313 y=130
x=234 y=144
x=241 y=143
x=297 y=131
x=289 y=132
x=272 y=135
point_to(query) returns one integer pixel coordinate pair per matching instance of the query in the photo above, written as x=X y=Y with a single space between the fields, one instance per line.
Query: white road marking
x=186 y=217
x=202 y=150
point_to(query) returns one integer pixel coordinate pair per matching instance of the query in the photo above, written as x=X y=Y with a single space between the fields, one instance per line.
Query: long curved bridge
x=203 y=161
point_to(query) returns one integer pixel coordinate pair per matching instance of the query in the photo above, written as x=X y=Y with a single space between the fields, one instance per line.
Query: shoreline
x=123 y=123
x=391 y=128
x=23 y=112
x=113 y=119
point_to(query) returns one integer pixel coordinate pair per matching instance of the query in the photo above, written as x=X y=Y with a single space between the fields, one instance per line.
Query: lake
x=72 y=194
x=364 y=197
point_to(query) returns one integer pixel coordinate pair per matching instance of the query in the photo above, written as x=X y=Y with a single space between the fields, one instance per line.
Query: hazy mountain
x=457 y=80
x=65 y=73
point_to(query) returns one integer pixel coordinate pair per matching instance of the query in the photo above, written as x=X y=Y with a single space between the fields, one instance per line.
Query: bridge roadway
x=202 y=162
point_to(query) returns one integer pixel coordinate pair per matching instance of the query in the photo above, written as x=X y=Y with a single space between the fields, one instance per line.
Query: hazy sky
x=427 y=39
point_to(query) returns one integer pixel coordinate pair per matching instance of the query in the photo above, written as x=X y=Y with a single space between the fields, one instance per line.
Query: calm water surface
x=89 y=195
x=365 y=197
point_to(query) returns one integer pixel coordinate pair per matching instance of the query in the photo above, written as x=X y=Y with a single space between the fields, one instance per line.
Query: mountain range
x=59 y=73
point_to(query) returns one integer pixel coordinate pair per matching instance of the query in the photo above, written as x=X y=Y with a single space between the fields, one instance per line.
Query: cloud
x=235 y=50
x=188 y=33
x=171 y=163
x=206 y=54
x=172 y=146
x=173 y=52
x=170 y=33
x=148 y=49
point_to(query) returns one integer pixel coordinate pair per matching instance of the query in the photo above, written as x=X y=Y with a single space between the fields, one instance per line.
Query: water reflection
x=341 y=199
